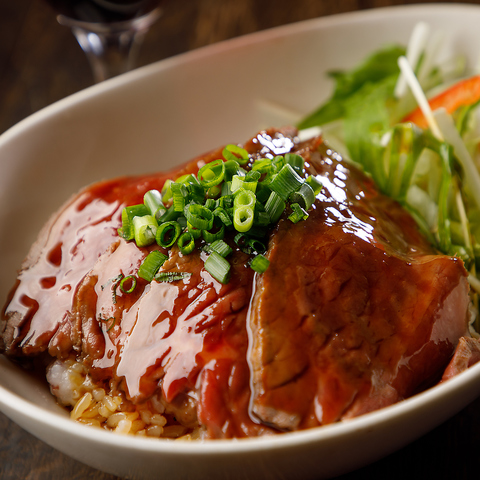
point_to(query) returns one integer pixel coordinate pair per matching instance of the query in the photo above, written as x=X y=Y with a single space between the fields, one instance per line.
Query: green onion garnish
x=298 y=213
x=243 y=218
x=286 y=182
x=212 y=173
x=186 y=243
x=168 y=233
x=232 y=167
x=259 y=263
x=198 y=210
x=128 y=214
x=194 y=232
x=223 y=216
x=179 y=193
x=219 y=246
x=199 y=216
x=217 y=267
x=211 y=237
x=295 y=161
x=304 y=196
x=144 y=229
x=153 y=201
x=234 y=152
x=256 y=245
x=171 y=276
x=274 y=207
x=151 y=264
x=167 y=191
x=315 y=184
x=129 y=280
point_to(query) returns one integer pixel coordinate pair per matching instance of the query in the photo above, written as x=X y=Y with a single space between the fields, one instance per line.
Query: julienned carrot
x=465 y=92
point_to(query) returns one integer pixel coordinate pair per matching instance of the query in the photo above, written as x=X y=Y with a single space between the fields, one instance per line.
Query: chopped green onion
x=223 y=195
x=218 y=267
x=171 y=276
x=234 y=152
x=113 y=319
x=168 y=233
x=263 y=192
x=195 y=232
x=286 y=182
x=252 y=176
x=151 y=264
x=261 y=219
x=259 y=263
x=240 y=240
x=243 y=218
x=223 y=216
x=298 y=213
x=240 y=182
x=130 y=279
x=210 y=203
x=212 y=173
x=256 y=245
x=226 y=190
x=116 y=282
x=187 y=179
x=186 y=243
x=169 y=215
x=167 y=190
x=210 y=237
x=295 y=161
x=232 y=167
x=244 y=198
x=128 y=214
x=236 y=183
x=179 y=193
x=315 y=184
x=214 y=192
x=195 y=193
x=219 y=246
x=263 y=165
x=304 y=196
x=145 y=229
x=199 y=216
x=274 y=207
x=279 y=162
x=153 y=201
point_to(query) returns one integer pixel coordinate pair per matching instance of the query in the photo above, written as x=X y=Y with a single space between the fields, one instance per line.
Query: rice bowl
x=90 y=121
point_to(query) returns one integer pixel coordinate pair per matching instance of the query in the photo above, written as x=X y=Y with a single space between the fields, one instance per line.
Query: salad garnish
x=410 y=122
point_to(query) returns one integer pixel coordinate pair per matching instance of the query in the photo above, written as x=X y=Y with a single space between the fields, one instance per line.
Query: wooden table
x=40 y=62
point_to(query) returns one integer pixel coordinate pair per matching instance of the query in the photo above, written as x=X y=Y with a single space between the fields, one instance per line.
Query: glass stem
x=111 y=49
x=109 y=54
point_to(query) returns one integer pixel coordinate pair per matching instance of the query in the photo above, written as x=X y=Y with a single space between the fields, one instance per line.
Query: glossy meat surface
x=368 y=312
x=355 y=312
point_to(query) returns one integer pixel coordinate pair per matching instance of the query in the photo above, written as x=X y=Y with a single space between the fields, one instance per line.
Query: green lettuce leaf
x=374 y=70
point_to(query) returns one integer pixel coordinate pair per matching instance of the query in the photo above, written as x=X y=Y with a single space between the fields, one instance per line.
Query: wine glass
x=110 y=32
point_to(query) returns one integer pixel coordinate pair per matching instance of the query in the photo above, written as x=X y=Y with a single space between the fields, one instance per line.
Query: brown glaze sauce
x=188 y=339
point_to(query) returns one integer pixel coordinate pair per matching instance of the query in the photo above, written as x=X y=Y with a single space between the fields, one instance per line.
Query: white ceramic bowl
x=154 y=118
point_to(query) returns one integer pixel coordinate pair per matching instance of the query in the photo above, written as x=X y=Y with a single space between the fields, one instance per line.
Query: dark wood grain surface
x=40 y=63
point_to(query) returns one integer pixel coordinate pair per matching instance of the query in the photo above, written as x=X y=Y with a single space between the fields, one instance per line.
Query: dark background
x=40 y=63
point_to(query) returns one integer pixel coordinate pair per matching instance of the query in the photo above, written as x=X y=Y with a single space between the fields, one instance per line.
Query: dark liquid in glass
x=104 y=11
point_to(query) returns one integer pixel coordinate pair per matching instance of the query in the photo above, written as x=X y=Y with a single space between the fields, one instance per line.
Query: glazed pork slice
x=356 y=310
